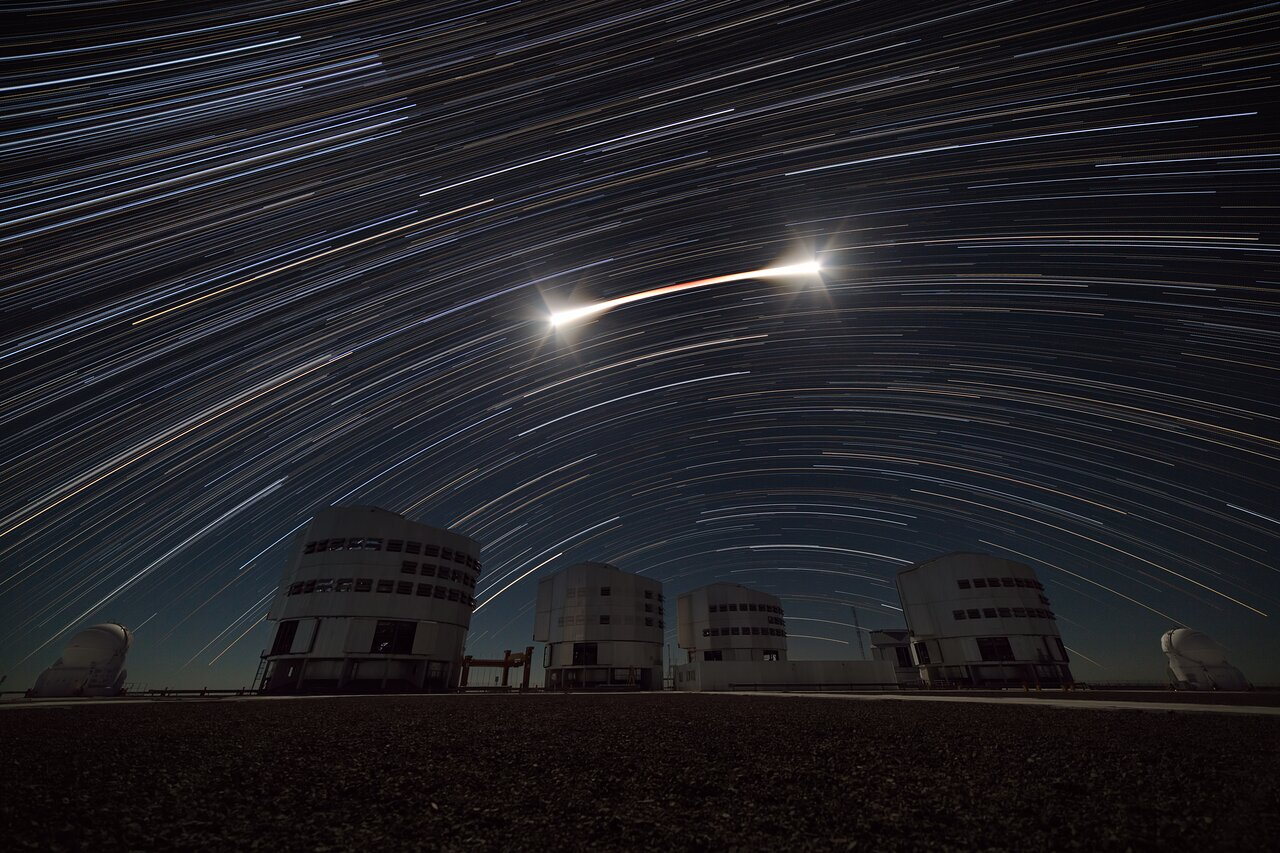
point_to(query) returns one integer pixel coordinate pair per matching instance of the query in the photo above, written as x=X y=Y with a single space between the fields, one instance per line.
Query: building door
x=437 y=676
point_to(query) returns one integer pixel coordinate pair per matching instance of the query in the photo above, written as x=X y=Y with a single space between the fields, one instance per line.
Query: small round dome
x=1194 y=645
x=97 y=644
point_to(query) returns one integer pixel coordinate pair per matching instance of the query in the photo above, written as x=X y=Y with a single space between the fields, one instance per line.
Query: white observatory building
x=92 y=664
x=731 y=622
x=1196 y=662
x=736 y=639
x=602 y=627
x=370 y=602
x=981 y=621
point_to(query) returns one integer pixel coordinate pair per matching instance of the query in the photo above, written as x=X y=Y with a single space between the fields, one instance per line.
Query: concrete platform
x=634 y=771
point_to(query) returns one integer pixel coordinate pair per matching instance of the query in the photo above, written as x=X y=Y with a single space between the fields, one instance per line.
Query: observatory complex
x=981 y=621
x=371 y=601
x=602 y=628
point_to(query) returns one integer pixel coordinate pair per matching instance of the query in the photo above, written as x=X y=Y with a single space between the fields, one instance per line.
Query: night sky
x=275 y=256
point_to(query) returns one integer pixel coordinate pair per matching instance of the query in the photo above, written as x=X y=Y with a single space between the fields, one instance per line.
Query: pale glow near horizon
x=569 y=315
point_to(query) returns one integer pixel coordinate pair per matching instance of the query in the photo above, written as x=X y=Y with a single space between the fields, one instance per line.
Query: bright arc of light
x=561 y=318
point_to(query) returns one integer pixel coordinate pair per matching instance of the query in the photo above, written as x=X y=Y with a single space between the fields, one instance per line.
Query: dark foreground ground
x=656 y=772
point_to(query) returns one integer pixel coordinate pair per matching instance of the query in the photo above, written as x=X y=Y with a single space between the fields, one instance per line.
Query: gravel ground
x=1254 y=698
x=655 y=771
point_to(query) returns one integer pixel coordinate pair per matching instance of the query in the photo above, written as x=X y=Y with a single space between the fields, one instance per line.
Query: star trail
x=266 y=257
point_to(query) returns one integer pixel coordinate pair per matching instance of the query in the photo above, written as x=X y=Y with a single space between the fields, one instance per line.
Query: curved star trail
x=273 y=256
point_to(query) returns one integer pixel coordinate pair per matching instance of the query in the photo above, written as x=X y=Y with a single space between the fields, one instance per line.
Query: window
x=604 y=590
x=993 y=581
x=735 y=631
x=309 y=586
x=973 y=613
x=753 y=608
x=428 y=570
x=324 y=585
x=989 y=612
x=715 y=632
x=386 y=586
x=904 y=656
x=404 y=588
x=584 y=654
x=431 y=550
x=648 y=622
x=453 y=595
x=441 y=592
x=424 y=590
x=1020 y=612
x=284 y=637
x=957 y=614
x=922 y=653
x=295 y=588
x=373 y=544
x=460 y=557
x=604 y=620
x=1006 y=581
x=408 y=568
x=995 y=648
x=980 y=583
x=322 y=545
x=393 y=638
x=733 y=608
x=1062 y=650
x=648 y=608
x=1004 y=612
x=355 y=543
x=648 y=593
x=963 y=584
x=395 y=544
x=771 y=654
x=344 y=585
x=446 y=553
x=1020 y=581
x=412 y=548
x=455 y=576
x=311 y=548
x=755 y=632
x=364 y=584
x=706 y=632
x=716 y=655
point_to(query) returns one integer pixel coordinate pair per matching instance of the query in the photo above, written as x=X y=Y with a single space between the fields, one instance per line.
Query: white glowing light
x=569 y=315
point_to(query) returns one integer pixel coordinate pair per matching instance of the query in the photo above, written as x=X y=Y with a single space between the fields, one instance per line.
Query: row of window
x=985 y=583
x=741 y=607
x=1003 y=613
x=743 y=632
x=717 y=654
x=364 y=543
x=605 y=619
x=428 y=570
x=583 y=591
x=424 y=590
